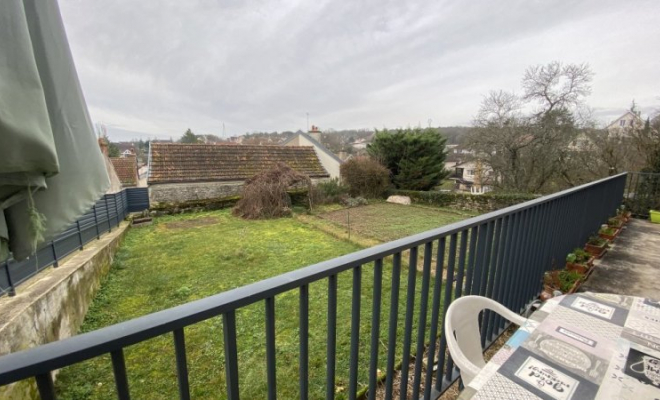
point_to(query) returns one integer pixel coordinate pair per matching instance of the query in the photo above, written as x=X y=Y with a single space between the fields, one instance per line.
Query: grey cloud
x=161 y=66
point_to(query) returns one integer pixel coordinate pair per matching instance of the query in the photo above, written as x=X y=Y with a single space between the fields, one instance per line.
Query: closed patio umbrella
x=51 y=168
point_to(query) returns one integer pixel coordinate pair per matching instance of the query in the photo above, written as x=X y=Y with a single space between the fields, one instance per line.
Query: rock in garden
x=405 y=200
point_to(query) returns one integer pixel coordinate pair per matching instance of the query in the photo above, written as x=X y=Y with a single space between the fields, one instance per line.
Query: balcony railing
x=502 y=255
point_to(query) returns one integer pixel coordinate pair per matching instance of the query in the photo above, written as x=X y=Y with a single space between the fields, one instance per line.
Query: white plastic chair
x=463 y=335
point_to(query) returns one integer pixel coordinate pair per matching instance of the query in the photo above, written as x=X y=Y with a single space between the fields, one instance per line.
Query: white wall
x=329 y=163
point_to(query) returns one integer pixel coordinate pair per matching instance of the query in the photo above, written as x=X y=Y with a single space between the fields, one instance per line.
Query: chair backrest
x=463 y=335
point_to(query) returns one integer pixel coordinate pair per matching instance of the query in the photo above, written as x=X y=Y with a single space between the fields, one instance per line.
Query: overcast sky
x=155 y=68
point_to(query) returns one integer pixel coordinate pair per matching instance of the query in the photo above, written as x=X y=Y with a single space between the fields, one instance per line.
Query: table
x=580 y=346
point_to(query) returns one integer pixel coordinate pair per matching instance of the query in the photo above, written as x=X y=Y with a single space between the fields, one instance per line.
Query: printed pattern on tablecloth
x=649 y=324
x=568 y=317
x=544 y=378
x=647 y=306
x=632 y=374
x=616 y=299
x=500 y=388
x=582 y=331
x=597 y=309
x=582 y=363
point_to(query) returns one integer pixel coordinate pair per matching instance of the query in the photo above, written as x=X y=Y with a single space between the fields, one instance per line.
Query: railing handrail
x=55 y=355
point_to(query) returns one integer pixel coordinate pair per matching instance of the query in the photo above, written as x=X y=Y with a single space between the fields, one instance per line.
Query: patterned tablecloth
x=581 y=346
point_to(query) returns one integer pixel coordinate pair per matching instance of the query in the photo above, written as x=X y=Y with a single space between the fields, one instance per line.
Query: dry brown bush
x=265 y=194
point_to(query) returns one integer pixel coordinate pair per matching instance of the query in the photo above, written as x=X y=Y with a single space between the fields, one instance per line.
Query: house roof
x=126 y=169
x=315 y=143
x=180 y=163
x=635 y=116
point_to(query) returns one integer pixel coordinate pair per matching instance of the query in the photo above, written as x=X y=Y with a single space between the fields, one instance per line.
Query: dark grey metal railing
x=106 y=214
x=502 y=255
x=642 y=193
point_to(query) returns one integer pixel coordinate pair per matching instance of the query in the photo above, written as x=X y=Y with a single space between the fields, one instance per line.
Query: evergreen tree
x=189 y=137
x=414 y=156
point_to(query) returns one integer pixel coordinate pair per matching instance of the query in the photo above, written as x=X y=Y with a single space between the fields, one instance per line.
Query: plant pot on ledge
x=579 y=261
x=596 y=246
x=608 y=233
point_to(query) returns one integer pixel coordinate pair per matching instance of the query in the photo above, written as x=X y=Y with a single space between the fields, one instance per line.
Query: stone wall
x=52 y=304
x=173 y=198
x=192 y=192
x=464 y=201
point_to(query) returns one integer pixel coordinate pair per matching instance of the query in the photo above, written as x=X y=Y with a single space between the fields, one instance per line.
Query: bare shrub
x=265 y=194
x=331 y=191
x=365 y=177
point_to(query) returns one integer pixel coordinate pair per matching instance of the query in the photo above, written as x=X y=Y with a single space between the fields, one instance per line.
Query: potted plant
x=615 y=222
x=550 y=284
x=579 y=260
x=596 y=246
x=607 y=232
x=623 y=214
x=569 y=281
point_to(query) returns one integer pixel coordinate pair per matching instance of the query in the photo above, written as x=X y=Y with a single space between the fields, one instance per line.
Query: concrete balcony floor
x=632 y=265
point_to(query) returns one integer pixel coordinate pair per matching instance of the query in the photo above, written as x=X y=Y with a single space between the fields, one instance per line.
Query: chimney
x=315 y=133
x=103 y=144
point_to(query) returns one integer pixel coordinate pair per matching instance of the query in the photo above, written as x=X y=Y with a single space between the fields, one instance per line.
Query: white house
x=626 y=123
x=328 y=159
x=472 y=176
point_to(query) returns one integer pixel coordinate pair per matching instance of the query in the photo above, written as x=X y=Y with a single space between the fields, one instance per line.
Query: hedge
x=464 y=201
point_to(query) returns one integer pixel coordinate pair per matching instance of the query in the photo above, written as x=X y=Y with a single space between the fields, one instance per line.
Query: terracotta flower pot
x=596 y=251
x=609 y=237
x=581 y=268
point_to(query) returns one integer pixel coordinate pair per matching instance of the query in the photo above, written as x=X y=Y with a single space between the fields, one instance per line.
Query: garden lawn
x=187 y=257
x=386 y=221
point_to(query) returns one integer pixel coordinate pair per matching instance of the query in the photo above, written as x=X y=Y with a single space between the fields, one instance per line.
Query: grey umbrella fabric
x=51 y=168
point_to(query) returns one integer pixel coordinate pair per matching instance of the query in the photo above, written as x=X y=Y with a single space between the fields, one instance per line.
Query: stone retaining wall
x=52 y=304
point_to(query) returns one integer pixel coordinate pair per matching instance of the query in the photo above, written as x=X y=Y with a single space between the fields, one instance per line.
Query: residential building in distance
x=330 y=161
x=181 y=173
x=626 y=123
x=127 y=170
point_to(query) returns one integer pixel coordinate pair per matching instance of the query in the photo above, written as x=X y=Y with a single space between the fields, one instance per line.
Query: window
x=470 y=172
x=623 y=122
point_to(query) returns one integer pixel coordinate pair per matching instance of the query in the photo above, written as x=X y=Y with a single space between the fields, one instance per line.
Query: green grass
x=386 y=221
x=183 y=258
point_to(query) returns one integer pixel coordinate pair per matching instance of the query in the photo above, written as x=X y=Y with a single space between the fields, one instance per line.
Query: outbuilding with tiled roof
x=180 y=173
x=126 y=169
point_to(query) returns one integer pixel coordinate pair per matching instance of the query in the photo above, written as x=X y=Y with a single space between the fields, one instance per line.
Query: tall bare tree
x=528 y=151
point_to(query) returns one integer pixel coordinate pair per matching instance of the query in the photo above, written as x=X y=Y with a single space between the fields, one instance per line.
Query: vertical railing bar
x=520 y=267
x=435 y=317
x=375 y=328
x=10 y=283
x=45 y=386
x=407 y=334
x=355 y=332
x=96 y=222
x=82 y=244
x=119 y=370
x=270 y=348
x=331 y=338
x=447 y=300
x=450 y=278
x=497 y=276
x=421 y=319
x=393 y=319
x=181 y=364
x=478 y=260
x=461 y=264
x=304 y=343
x=231 y=355
x=471 y=260
x=107 y=211
x=492 y=275
x=506 y=267
x=484 y=277
x=56 y=264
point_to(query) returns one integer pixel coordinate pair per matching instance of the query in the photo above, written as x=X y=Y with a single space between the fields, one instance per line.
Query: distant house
x=472 y=176
x=180 y=173
x=126 y=149
x=328 y=159
x=126 y=169
x=625 y=124
x=362 y=143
